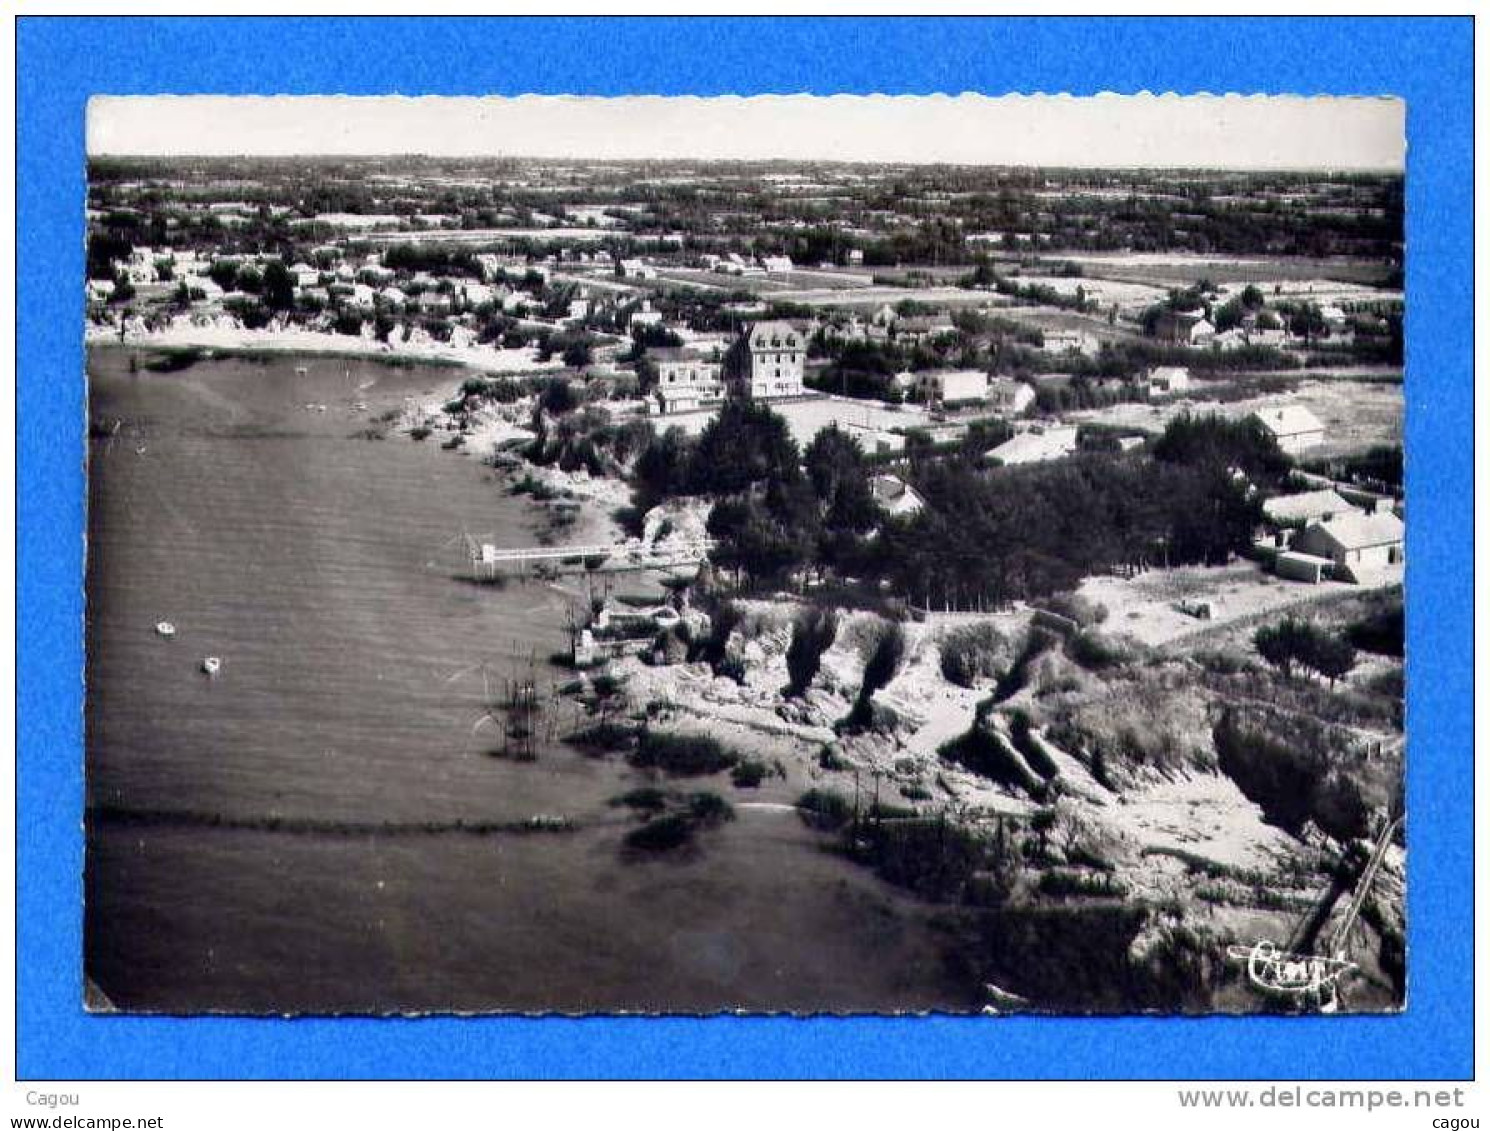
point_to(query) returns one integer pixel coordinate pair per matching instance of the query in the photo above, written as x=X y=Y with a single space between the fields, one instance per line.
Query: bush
x=710 y=809
x=645 y=799
x=662 y=834
x=813 y=633
x=749 y=774
x=604 y=736
x=1382 y=632
x=1061 y=883
x=884 y=660
x=830 y=759
x=1094 y=651
x=975 y=652
x=933 y=858
x=824 y=809
x=682 y=755
x=1083 y=610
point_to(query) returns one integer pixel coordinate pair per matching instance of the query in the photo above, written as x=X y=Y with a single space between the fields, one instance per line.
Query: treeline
x=986 y=538
x=983 y=537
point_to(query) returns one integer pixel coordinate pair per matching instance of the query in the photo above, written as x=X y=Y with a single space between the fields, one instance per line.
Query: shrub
x=1381 y=632
x=646 y=799
x=813 y=633
x=933 y=858
x=682 y=755
x=829 y=759
x=1061 y=883
x=661 y=834
x=1094 y=651
x=975 y=652
x=604 y=735
x=710 y=809
x=1083 y=610
x=884 y=660
x=749 y=774
x=824 y=809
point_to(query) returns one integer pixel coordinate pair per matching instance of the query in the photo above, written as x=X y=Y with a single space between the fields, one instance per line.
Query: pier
x=487 y=558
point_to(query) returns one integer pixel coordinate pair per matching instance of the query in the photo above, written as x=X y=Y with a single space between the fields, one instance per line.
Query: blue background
x=61 y=62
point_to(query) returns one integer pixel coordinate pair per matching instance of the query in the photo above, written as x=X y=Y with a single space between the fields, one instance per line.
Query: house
x=1040 y=443
x=477 y=294
x=1184 y=327
x=950 y=386
x=923 y=328
x=1357 y=544
x=855 y=257
x=637 y=269
x=687 y=379
x=579 y=310
x=1009 y=397
x=1164 y=379
x=393 y=298
x=895 y=496
x=875 y=441
x=1293 y=426
x=776 y=263
x=433 y=302
x=644 y=315
x=361 y=298
x=1068 y=341
x=304 y=274
x=884 y=316
x=99 y=290
x=1307 y=507
x=766 y=361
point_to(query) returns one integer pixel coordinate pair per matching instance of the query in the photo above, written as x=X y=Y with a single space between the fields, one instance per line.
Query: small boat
x=301 y=370
x=211 y=665
x=165 y=628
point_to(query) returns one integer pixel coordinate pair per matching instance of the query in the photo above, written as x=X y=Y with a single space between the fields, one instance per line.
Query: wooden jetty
x=488 y=560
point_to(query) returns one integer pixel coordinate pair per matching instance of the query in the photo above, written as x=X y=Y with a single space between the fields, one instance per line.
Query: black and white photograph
x=765 y=555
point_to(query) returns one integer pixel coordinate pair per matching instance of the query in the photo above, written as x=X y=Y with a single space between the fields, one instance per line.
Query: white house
x=767 y=361
x=951 y=386
x=304 y=274
x=644 y=315
x=874 y=441
x=686 y=379
x=776 y=263
x=1307 y=507
x=895 y=496
x=1040 y=443
x=1008 y=396
x=637 y=269
x=1358 y=544
x=1068 y=341
x=1294 y=427
x=1165 y=379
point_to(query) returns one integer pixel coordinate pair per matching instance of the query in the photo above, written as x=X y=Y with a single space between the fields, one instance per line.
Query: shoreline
x=219 y=336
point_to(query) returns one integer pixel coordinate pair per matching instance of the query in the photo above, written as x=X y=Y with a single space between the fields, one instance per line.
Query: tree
x=577 y=354
x=745 y=444
x=279 y=287
x=835 y=467
x=557 y=397
x=123 y=290
x=813 y=633
x=1332 y=657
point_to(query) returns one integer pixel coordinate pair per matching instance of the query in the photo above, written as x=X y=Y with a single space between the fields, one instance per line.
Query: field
x=1143 y=607
x=1180 y=270
x=1357 y=414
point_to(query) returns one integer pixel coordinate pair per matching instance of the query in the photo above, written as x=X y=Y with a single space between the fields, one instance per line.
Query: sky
x=1198 y=131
